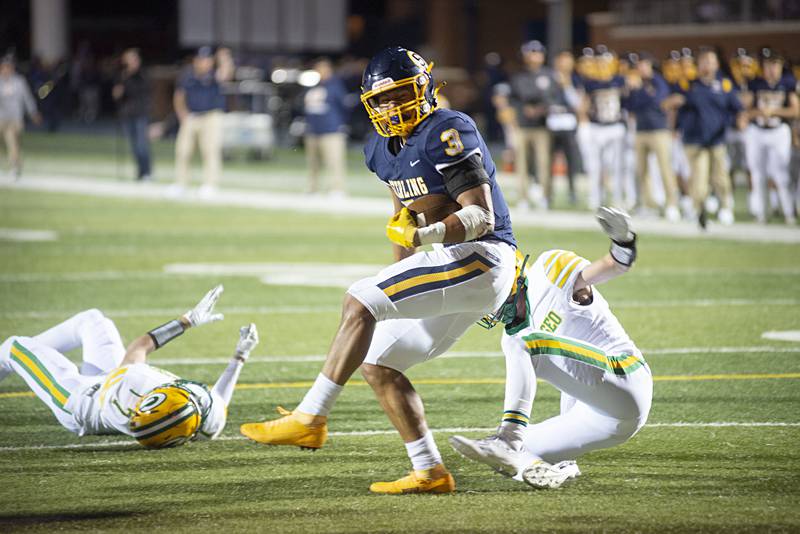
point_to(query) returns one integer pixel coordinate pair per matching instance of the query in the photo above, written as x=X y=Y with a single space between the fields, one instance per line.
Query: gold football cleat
x=294 y=428
x=437 y=479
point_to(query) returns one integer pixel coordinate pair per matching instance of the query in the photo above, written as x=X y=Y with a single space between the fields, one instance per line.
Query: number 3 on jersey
x=453 y=140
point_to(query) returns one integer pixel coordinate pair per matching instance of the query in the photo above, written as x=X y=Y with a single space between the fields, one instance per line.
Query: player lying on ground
x=416 y=308
x=115 y=391
x=559 y=328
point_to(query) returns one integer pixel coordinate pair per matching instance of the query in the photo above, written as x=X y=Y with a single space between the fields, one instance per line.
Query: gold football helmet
x=167 y=416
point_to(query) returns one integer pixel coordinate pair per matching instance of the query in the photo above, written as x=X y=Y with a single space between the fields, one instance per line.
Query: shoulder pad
x=559 y=265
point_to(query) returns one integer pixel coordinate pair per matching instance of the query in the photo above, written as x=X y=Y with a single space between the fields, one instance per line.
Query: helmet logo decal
x=152 y=401
x=383 y=82
x=418 y=60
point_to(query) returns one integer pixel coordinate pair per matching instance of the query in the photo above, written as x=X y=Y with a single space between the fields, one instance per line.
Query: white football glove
x=248 y=339
x=616 y=224
x=204 y=311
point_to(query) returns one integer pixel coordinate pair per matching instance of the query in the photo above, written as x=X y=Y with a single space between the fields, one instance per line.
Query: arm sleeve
x=227 y=380
x=465 y=175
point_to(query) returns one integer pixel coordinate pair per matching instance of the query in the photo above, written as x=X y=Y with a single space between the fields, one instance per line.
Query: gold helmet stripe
x=164 y=424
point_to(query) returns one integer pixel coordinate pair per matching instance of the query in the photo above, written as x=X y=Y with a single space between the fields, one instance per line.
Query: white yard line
x=786 y=335
x=359 y=433
x=300 y=310
x=562 y=220
x=21 y=234
x=484 y=354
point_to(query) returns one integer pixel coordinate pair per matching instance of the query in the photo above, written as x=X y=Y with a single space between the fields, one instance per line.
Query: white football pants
x=425 y=303
x=598 y=409
x=52 y=376
x=603 y=149
x=769 y=151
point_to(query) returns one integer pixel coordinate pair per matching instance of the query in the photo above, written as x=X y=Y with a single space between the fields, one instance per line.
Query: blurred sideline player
x=645 y=91
x=707 y=106
x=771 y=103
x=534 y=90
x=115 y=391
x=559 y=328
x=415 y=309
x=602 y=139
x=673 y=73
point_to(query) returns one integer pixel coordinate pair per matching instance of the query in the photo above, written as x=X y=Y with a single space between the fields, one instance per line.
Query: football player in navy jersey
x=416 y=308
x=771 y=103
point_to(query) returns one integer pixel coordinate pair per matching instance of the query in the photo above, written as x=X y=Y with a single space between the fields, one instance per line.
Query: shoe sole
x=541 y=476
x=471 y=453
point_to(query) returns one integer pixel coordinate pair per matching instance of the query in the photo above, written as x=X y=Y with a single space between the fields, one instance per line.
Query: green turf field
x=696 y=307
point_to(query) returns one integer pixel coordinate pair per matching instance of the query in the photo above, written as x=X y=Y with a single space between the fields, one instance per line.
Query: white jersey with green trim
x=552 y=309
x=106 y=407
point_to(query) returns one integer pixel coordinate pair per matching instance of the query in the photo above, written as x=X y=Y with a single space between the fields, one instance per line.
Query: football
x=432 y=208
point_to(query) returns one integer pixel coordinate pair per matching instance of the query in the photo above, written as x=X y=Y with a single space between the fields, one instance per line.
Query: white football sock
x=423 y=452
x=321 y=397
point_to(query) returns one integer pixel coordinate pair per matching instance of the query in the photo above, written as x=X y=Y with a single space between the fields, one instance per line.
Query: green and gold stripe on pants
x=544 y=344
x=36 y=369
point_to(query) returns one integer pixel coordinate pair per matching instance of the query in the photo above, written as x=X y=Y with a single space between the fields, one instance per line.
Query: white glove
x=203 y=312
x=248 y=339
x=616 y=224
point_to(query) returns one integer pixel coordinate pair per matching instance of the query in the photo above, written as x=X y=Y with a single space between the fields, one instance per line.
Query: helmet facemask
x=400 y=120
x=507 y=313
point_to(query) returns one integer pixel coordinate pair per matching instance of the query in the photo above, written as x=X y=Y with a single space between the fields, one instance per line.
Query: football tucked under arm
x=475 y=219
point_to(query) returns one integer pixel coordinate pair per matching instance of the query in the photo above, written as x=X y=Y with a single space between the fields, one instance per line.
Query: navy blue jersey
x=766 y=96
x=645 y=104
x=443 y=139
x=324 y=107
x=709 y=110
x=605 y=97
x=202 y=93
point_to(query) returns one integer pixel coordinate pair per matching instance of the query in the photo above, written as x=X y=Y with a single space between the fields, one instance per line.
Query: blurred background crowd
x=663 y=108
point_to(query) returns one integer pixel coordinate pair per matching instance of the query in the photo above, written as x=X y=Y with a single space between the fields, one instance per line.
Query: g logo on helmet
x=165 y=417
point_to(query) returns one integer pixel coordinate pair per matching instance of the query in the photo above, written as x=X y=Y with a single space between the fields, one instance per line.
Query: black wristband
x=166 y=332
x=624 y=253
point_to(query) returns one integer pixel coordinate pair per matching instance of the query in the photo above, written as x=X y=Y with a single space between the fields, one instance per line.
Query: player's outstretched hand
x=616 y=224
x=248 y=339
x=204 y=311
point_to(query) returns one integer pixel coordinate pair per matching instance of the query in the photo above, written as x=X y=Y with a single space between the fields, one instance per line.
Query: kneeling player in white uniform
x=115 y=391
x=560 y=329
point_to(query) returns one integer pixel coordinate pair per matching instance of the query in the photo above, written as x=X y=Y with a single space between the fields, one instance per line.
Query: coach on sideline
x=708 y=105
x=199 y=104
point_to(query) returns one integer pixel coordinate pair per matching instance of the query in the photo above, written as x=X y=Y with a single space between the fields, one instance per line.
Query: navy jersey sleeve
x=452 y=141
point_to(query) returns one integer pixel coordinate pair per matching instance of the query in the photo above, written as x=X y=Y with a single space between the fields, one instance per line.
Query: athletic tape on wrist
x=431 y=234
x=624 y=253
x=166 y=332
